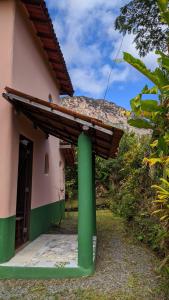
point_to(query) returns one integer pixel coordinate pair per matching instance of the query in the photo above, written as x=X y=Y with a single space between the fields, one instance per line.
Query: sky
x=89 y=42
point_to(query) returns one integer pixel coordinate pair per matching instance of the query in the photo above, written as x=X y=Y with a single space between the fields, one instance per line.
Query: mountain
x=106 y=111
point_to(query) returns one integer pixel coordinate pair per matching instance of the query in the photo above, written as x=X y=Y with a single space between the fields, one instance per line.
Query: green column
x=85 y=201
x=94 y=194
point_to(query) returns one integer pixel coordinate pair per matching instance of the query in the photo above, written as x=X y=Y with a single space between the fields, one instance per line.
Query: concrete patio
x=49 y=251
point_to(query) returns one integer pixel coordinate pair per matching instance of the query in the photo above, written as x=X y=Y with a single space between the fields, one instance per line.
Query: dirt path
x=125 y=271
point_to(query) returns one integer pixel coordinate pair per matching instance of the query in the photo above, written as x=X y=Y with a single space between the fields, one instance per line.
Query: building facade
x=32 y=164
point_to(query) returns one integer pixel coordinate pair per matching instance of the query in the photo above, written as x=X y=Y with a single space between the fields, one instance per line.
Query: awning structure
x=65 y=124
x=68 y=151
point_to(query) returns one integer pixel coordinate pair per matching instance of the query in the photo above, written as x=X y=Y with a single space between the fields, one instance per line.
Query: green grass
x=71 y=204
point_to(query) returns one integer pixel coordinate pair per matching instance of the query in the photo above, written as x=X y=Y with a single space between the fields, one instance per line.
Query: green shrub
x=130 y=194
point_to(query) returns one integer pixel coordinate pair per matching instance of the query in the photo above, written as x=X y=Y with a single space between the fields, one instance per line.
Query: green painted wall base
x=42 y=217
x=43 y=273
x=7 y=238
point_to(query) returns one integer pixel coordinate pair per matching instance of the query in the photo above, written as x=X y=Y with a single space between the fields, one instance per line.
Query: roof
x=40 y=18
x=66 y=124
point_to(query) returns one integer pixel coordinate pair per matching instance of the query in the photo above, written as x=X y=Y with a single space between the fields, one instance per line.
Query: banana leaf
x=140 y=66
x=163 y=4
x=150 y=105
x=140 y=123
x=153 y=90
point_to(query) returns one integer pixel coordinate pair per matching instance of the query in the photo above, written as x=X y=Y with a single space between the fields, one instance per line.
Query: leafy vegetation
x=71 y=180
x=126 y=183
x=154 y=115
x=128 y=188
x=143 y=19
x=162 y=201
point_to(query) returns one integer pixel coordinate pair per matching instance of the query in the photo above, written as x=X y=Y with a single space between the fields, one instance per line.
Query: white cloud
x=94 y=83
x=89 y=43
x=87 y=81
x=84 y=5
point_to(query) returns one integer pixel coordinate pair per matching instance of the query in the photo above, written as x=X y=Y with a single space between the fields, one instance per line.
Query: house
x=30 y=61
x=32 y=188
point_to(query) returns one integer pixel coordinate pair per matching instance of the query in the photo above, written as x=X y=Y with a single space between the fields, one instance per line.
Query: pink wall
x=8 y=163
x=30 y=73
x=45 y=188
x=31 y=70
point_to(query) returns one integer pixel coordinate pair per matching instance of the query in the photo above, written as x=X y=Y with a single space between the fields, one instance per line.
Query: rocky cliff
x=108 y=112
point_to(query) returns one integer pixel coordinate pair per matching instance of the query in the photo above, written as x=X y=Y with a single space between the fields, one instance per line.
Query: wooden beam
x=44 y=35
x=39 y=20
x=52 y=50
x=50 y=127
x=59 y=135
x=32 y=2
x=71 y=132
x=55 y=61
x=59 y=120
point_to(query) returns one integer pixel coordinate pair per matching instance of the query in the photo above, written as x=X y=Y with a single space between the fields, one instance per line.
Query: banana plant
x=161 y=202
x=153 y=114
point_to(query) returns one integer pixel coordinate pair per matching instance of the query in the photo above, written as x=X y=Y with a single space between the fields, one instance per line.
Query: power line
x=115 y=58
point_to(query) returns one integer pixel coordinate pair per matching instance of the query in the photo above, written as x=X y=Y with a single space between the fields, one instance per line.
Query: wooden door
x=23 y=206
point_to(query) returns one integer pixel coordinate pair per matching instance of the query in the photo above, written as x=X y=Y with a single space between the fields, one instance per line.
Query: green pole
x=94 y=193
x=85 y=213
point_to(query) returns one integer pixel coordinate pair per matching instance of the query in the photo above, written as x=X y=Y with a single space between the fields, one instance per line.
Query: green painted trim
x=42 y=217
x=43 y=273
x=7 y=238
x=85 y=202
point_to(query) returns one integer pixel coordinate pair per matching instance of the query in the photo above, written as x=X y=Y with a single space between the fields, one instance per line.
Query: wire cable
x=115 y=58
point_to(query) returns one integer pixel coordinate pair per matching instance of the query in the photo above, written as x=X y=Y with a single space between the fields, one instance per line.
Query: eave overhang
x=66 y=124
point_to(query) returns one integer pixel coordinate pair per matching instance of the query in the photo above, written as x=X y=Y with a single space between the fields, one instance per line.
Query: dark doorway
x=23 y=206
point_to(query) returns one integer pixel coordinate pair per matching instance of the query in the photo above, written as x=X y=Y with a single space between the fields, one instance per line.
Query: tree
x=154 y=115
x=143 y=19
